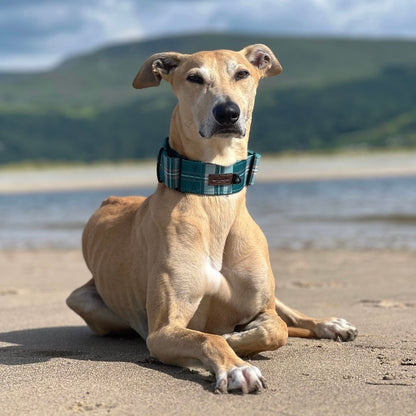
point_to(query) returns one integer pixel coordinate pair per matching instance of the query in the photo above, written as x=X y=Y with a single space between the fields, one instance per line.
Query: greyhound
x=188 y=269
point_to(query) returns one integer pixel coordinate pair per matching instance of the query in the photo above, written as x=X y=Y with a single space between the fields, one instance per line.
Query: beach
x=291 y=167
x=51 y=364
x=340 y=247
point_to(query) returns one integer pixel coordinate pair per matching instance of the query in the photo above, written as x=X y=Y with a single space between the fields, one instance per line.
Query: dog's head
x=215 y=89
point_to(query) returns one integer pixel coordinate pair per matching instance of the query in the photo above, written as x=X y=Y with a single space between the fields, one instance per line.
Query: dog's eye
x=241 y=74
x=195 y=78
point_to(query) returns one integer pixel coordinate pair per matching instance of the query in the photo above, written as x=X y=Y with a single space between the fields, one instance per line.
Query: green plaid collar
x=190 y=176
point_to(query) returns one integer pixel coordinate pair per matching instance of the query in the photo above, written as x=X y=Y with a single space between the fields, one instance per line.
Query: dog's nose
x=226 y=113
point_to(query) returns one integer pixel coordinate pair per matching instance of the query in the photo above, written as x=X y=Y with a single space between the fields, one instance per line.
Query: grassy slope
x=103 y=78
x=326 y=97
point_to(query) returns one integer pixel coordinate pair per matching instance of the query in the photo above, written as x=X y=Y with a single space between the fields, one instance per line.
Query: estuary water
x=376 y=213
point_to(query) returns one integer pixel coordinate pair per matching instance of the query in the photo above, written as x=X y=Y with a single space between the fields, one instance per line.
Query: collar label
x=220 y=179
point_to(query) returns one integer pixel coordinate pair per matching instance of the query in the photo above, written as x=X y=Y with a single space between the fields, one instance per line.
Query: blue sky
x=37 y=34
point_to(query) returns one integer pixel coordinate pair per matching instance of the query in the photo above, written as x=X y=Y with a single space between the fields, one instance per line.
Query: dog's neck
x=221 y=151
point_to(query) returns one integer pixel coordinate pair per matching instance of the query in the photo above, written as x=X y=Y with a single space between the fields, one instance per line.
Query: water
x=357 y=213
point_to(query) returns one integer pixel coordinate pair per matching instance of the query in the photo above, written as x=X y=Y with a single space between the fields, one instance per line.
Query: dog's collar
x=190 y=176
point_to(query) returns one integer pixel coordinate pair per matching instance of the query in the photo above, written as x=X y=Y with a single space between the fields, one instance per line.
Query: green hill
x=333 y=93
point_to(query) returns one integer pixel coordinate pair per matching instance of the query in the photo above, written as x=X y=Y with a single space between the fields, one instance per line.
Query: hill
x=333 y=93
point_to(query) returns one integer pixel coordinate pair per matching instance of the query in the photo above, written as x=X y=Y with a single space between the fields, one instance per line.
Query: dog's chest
x=230 y=299
x=213 y=276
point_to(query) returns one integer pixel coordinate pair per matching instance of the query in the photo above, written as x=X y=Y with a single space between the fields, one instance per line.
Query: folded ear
x=158 y=66
x=263 y=59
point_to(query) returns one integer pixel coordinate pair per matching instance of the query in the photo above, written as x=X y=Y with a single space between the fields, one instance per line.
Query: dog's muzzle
x=226 y=114
x=226 y=121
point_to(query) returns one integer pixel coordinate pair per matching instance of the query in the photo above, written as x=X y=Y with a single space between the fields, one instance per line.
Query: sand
x=279 y=168
x=50 y=364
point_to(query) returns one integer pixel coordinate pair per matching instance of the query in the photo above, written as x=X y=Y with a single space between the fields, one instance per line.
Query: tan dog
x=191 y=273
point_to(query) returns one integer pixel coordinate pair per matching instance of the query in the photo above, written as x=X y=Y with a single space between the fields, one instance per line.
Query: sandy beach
x=50 y=364
x=17 y=179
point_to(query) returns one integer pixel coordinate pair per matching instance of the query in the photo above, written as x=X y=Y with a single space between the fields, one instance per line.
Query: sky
x=38 y=34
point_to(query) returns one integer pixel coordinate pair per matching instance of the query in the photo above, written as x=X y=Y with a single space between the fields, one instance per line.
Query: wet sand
x=50 y=364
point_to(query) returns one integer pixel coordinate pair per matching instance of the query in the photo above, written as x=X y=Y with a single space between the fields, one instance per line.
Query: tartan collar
x=190 y=176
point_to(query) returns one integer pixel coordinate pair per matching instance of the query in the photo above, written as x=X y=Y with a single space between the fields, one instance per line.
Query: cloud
x=39 y=34
x=44 y=32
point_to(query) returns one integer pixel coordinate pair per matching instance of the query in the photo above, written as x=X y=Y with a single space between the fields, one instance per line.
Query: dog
x=187 y=270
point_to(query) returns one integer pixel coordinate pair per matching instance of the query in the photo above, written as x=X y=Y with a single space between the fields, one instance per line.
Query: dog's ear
x=158 y=66
x=263 y=59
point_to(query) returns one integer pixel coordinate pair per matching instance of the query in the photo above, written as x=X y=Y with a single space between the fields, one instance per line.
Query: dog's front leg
x=184 y=347
x=171 y=342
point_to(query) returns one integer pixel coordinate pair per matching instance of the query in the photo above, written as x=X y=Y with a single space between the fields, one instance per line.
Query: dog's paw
x=244 y=379
x=337 y=329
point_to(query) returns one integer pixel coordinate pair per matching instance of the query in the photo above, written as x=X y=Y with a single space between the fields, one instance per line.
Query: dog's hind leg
x=88 y=304
x=264 y=333
x=300 y=325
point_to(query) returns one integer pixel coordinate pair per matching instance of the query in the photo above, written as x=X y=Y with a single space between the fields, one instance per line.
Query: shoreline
x=14 y=180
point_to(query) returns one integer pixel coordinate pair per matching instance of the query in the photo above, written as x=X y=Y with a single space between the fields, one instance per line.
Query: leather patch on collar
x=220 y=179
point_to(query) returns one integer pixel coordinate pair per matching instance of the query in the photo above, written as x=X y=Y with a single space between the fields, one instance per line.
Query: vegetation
x=332 y=94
